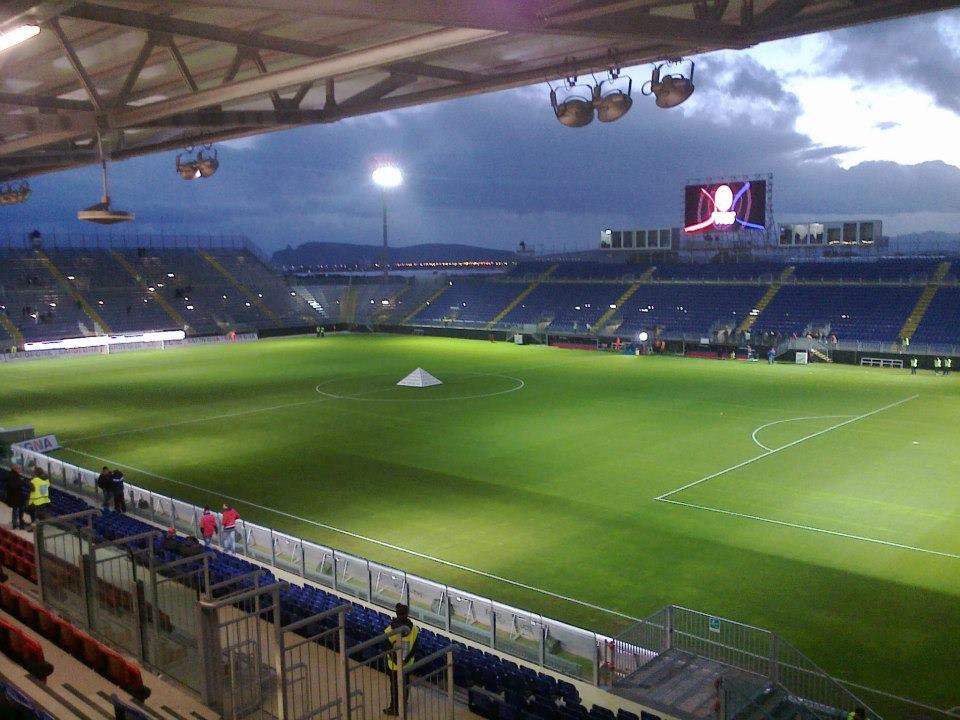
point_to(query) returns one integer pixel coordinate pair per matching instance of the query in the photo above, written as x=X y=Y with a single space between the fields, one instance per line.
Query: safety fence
x=760 y=653
x=232 y=642
x=549 y=643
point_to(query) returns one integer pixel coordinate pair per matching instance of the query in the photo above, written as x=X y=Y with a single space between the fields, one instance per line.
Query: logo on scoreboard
x=725 y=206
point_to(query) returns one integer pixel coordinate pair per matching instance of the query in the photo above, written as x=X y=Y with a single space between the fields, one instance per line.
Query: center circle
x=367 y=388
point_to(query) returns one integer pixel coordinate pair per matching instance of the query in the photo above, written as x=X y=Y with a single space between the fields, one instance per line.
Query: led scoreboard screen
x=725 y=206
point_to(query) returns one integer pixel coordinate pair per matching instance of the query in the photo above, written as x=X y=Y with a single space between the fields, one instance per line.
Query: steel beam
x=336 y=65
x=44 y=102
x=54 y=25
x=83 y=122
x=239 y=38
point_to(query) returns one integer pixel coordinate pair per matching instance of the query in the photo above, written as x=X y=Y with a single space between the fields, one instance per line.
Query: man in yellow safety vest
x=39 y=496
x=402 y=649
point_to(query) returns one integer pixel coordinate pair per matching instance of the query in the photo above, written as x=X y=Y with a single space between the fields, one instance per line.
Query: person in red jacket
x=228 y=535
x=208 y=526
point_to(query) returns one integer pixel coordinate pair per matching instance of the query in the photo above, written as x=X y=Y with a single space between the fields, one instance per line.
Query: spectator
x=15 y=497
x=208 y=526
x=228 y=521
x=171 y=543
x=403 y=646
x=858 y=714
x=119 y=503
x=39 y=496
x=105 y=483
x=190 y=547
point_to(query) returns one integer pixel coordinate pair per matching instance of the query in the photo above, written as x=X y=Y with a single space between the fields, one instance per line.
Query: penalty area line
x=813 y=528
x=357 y=536
x=739 y=465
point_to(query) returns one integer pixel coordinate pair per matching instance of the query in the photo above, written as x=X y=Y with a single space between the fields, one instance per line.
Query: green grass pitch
x=544 y=466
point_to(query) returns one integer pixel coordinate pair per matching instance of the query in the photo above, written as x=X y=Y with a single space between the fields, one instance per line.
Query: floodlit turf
x=544 y=466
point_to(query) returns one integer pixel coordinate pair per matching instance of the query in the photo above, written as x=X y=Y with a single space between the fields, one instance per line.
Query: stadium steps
x=12 y=330
x=439 y=291
x=251 y=296
x=348 y=305
x=604 y=319
x=74 y=293
x=923 y=302
x=762 y=303
x=522 y=296
x=161 y=301
x=385 y=312
x=821 y=355
x=310 y=299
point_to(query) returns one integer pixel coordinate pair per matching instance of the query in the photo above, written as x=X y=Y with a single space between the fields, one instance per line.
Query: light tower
x=386 y=176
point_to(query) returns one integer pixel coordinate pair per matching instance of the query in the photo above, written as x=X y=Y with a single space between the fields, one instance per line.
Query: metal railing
x=552 y=644
x=750 y=649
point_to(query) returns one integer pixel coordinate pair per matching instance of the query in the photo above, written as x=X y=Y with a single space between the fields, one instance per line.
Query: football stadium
x=704 y=469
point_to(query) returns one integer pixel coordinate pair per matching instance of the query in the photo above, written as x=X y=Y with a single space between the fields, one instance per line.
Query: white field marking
x=382 y=543
x=812 y=528
x=783 y=447
x=519 y=386
x=753 y=435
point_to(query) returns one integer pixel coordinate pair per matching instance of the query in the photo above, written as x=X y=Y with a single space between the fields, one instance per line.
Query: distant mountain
x=331 y=253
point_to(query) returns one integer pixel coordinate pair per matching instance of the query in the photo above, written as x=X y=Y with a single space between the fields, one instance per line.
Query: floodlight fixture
x=202 y=165
x=577 y=103
x=387 y=176
x=101 y=213
x=14 y=194
x=17 y=36
x=673 y=87
x=642 y=337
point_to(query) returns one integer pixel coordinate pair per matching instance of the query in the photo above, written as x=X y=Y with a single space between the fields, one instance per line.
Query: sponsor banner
x=42 y=444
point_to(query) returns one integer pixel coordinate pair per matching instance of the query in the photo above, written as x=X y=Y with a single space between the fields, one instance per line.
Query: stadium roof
x=154 y=75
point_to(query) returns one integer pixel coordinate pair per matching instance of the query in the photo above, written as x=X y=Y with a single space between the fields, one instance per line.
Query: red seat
x=26 y=650
x=69 y=639
x=8 y=599
x=23 y=565
x=26 y=611
x=92 y=653
x=47 y=625
x=126 y=675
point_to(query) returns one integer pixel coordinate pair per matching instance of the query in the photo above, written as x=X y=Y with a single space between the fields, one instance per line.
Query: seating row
x=84 y=648
x=23 y=649
x=14 y=705
x=516 y=706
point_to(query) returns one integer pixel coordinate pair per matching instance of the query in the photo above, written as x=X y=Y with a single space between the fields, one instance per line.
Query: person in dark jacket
x=16 y=497
x=119 y=503
x=105 y=485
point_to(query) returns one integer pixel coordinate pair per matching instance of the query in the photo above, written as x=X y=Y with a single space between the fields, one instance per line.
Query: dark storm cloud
x=911 y=50
x=497 y=169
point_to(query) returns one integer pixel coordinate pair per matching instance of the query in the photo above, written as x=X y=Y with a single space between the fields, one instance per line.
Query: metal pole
x=451 y=700
x=386 y=252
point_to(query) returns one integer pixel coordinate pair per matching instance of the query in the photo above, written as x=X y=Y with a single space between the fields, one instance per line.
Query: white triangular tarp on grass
x=419 y=378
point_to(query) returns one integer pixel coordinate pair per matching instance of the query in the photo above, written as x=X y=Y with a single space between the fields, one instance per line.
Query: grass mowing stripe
x=665 y=495
x=812 y=528
x=357 y=536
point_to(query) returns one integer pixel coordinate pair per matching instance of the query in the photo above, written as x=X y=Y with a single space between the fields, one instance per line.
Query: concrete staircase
x=926 y=297
x=821 y=355
x=762 y=303
x=348 y=305
x=251 y=296
x=433 y=296
x=602 y=321
x=383 y=314
x=522 y=296
x=61 y=279
x=15 y=335
x=160 y=300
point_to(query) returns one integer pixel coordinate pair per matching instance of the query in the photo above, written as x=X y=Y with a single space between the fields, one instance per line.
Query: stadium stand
x=508 y=686
x=471 y=303
x=940 y=324
x=863 y=312
x=16 y=705
x=686 y=309
x=71 y=292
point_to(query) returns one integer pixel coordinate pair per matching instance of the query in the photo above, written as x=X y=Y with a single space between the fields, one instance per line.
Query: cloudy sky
x=859 y=123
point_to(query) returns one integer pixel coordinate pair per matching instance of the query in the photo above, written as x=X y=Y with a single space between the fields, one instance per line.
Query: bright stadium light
x=386 y=176
x=17 y=36
x=642 y=336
